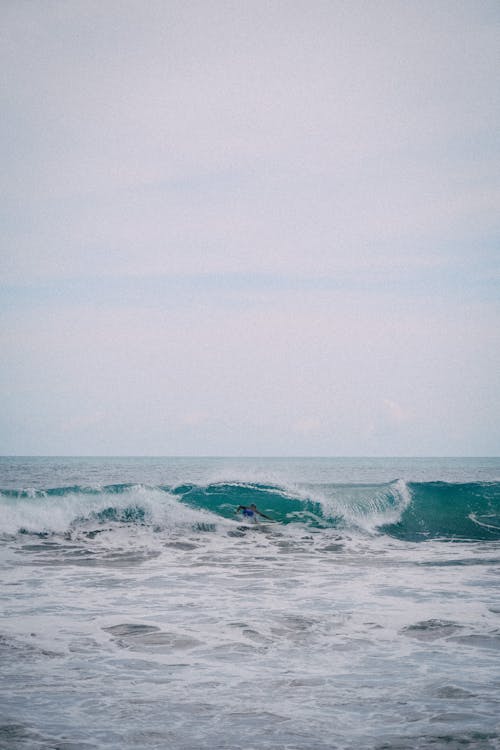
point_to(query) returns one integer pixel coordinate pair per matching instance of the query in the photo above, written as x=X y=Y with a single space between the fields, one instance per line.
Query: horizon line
x=221 y=456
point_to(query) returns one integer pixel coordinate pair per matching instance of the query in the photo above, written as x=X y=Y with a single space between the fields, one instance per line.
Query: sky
x=250 y=228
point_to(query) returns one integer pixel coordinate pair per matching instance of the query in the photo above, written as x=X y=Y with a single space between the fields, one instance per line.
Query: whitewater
x=140 y=610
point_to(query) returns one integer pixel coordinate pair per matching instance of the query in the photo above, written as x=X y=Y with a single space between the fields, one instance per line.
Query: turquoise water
x=140 y=610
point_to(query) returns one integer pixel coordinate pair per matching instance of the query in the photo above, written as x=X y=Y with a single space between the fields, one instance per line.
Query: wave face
x=406 y=511
x=439 y=510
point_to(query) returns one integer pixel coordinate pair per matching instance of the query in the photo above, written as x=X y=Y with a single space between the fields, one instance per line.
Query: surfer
x=251 y=512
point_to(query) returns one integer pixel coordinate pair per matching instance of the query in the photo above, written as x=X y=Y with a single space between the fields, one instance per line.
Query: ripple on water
x=13 y=648
x=431 y=630
x=480 y=640
x=140 y=637
x=454 y=692
x=23 y=737
x=450 y=741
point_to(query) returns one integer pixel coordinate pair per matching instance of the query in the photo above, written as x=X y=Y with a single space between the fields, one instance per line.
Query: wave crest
x=410 y=512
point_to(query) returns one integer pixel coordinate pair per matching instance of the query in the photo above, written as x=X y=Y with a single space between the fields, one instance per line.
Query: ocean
x=139 y=610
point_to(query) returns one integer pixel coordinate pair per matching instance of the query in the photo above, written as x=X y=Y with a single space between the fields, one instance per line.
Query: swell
x=206 y=506
x=441 y=510
x=407 y=511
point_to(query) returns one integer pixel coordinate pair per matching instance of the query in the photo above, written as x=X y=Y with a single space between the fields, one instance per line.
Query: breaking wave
x=406 y=511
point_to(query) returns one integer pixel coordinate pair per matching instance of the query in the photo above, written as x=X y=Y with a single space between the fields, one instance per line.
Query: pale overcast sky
x=250 y=228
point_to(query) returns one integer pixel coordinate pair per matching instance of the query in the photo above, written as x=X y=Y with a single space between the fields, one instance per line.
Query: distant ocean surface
x=139 y=610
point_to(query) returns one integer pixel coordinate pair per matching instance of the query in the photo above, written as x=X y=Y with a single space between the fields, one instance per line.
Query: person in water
x=250 y=512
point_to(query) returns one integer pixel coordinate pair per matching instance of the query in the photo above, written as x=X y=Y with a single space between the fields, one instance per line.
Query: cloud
x=291 y=374
x=267 y=139
x=82 y=422
x=194 y=418
x=394 y=412
x=307 y=426
x=254 y=228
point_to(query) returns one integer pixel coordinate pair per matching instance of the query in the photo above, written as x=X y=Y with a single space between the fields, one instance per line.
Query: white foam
x=59 y=514
x=367 y=507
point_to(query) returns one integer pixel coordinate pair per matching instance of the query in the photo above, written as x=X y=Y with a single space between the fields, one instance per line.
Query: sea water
x=139 y=610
